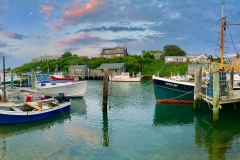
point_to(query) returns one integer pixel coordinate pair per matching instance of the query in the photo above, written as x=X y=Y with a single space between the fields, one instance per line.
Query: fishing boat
x=27 y=105
x=62 y=78
x=168 y=90
x=51 y=88
x=32 y=111
x=125 y=77
x=59 y=76
x=12 y=78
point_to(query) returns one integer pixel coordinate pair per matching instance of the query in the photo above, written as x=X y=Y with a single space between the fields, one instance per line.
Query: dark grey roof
x=112 y=50
x=77 y=66
x=111 y=65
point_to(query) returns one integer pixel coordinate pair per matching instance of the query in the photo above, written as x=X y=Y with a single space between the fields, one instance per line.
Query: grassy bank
x=156 y=66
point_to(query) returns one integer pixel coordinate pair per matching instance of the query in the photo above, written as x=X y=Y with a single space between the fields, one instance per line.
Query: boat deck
x=7 y=104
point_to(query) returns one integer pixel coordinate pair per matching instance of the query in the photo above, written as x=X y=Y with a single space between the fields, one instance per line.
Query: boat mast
x=223 y=23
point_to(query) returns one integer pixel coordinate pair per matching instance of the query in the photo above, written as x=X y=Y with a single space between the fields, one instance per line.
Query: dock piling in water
x=105 y=90
x=215 y=92
x=12 y=79
x=197 y=88
x=33 y=79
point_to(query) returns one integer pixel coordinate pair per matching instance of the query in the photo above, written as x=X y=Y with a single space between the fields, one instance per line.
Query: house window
x=119 y=55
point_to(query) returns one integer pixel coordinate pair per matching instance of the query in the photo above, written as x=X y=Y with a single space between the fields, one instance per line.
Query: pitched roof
x=77 y=66
x=111 y=50
x=111 y=65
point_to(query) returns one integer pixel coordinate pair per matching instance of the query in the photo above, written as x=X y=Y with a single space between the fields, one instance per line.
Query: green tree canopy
x=66 y=54
x=173 y=50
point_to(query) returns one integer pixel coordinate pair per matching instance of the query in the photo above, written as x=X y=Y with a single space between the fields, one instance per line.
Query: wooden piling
x=33 y=79
x=231 y=76
x=11 y=79
x=197 y=88
x=215 y=92
x=105 y=90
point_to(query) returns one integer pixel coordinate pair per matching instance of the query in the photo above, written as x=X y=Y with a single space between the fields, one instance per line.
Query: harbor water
x=135 y=127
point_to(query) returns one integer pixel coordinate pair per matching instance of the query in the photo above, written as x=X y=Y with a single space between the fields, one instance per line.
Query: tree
x=173 y=50
x=148 y=55
x=66 y=54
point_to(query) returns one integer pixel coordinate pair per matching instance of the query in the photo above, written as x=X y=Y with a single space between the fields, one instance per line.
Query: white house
x=202 y=58
x=175 y=59
x=44 y=58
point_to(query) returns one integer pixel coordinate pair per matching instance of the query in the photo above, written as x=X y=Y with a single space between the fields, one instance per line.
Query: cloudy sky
x=32 y=28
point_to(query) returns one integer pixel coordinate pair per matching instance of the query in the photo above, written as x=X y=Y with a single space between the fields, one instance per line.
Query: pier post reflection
x=105 y=130
x=217 y=139
x=4 y=153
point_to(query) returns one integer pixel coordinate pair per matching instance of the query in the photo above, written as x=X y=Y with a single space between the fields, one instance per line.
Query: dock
x=218 y=92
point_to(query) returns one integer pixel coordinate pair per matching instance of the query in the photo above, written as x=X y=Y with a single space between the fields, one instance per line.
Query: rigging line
x=201 y=35
x=199 y=28
x=234 y=28
x=232 y=39
x=217 y=40
x=208 y=41
x=231 y=14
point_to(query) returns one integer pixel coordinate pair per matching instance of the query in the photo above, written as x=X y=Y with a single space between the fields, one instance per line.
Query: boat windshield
x=43 y=77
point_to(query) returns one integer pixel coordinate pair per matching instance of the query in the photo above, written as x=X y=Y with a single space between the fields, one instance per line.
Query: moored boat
x=125 y=77
x=61 y=78
x=31 y=111
x=168 y=90
x=50 y=88
x=12 y=78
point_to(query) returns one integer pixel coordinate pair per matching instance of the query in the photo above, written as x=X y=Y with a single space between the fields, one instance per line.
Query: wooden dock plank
x=224 y=100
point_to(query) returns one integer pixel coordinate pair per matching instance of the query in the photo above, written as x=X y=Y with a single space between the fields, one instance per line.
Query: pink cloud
x=76 y=12
x=47 y=10
x=80 y=39
x=13 y=36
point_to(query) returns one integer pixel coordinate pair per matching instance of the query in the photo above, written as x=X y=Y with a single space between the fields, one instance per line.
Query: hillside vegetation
x=132 y=63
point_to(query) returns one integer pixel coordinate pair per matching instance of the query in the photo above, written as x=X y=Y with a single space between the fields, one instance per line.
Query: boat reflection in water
x=43 y=130
x=216 y=139
x=166 y=114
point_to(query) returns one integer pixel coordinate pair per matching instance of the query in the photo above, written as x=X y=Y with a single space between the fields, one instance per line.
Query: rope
x=232 y=39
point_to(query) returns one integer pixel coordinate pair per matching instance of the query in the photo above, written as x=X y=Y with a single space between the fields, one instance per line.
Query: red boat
x=61 y=79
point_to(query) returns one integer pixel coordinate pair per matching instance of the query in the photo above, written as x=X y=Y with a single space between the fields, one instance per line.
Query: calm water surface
x=135 y=127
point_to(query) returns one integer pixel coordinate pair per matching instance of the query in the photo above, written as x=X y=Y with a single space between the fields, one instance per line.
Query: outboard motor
x=61 y=97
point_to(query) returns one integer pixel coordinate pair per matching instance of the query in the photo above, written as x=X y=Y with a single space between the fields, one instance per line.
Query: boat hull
x=30 y=116
x=62 y=79
x=72 y=90
x=168 y=91
x=120 y=79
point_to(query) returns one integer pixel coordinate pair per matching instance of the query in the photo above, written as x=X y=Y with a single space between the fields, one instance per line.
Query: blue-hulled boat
x=32 y=111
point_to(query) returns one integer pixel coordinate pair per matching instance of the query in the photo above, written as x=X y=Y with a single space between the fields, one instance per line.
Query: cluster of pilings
x=218 y=86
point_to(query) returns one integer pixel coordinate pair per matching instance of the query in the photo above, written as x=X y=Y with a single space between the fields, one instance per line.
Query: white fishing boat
x=58 y=75
x=125 y=77
x=50 y=88
x=168 y=90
